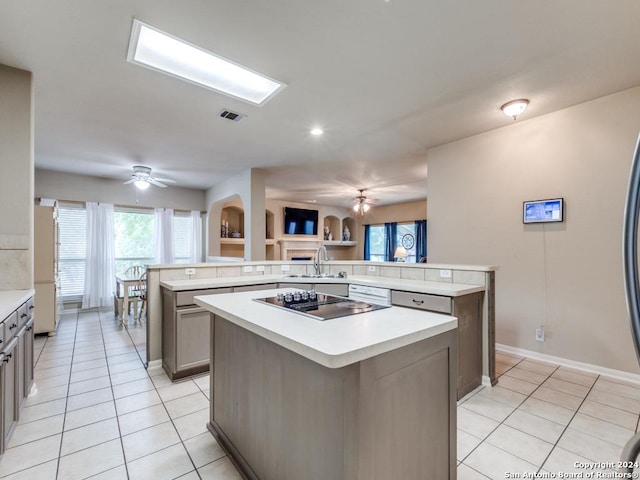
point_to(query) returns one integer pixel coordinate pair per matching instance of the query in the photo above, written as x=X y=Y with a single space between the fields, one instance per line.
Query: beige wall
x=566 y=277
x=84 y=188
x=16 y=180
x=400 y=212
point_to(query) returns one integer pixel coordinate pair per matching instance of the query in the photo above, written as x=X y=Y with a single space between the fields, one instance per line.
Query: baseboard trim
x=587 y=367
x=154 y=364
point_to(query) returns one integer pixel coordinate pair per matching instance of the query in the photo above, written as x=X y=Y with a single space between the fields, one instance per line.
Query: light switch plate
x=247 y=268
x=190 y=271
x=445 y=273
x=260 y=268
x=372 y=268
x=285 y=268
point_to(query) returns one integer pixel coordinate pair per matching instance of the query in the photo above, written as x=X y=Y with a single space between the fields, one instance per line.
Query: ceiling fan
x=141 y=178
x=361 y=206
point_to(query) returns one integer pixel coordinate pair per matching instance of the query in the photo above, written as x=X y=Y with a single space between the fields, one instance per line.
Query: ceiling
x=386 y=80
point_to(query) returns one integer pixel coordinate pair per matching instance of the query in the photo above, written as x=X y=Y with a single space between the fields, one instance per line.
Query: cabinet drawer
x=2 y=336
x=23 y=315
x=30 y=308
x=422 y=301
x=186 y=298
x=251 y=288
x=10 y=327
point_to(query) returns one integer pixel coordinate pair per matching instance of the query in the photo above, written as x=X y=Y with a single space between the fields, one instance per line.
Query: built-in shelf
x=240 y=241
x=337 y=243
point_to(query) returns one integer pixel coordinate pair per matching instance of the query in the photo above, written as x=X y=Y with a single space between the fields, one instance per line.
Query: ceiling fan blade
x=165 y=180
x=155 y=182
x=129 y=181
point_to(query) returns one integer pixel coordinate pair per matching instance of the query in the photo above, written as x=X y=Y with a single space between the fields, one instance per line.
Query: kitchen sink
x=316 y=275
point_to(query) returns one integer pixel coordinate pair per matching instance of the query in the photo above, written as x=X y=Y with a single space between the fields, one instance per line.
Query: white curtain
x=163 y=235
x=99 y=277
x=196 y=237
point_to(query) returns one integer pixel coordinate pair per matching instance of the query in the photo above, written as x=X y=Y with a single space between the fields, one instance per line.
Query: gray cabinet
x=468 y=310
x=16 y=366
x=251 y=288
x=9 y=390
x=185 y=332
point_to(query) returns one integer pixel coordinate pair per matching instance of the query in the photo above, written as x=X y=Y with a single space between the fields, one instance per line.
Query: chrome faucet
x=317 y=263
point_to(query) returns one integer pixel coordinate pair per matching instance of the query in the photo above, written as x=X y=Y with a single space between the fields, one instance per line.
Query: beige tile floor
x=96 y=412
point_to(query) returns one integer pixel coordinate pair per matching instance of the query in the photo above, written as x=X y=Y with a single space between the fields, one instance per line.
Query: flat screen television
x=298 y=221
x=542 y=211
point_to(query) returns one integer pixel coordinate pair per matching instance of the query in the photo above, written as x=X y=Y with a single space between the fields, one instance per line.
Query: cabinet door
x=28 y=359
x=20 y=368
x=192 y=337
x=9 y=388
x=339 y=289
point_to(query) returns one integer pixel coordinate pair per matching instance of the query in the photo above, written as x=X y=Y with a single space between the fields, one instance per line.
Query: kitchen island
x=360 y=397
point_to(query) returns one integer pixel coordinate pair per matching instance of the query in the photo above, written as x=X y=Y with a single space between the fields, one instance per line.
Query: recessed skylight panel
x=155 y=49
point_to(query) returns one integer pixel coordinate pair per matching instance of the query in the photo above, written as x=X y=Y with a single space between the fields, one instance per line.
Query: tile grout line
x=569 y=423
x=509 y=415
x=155 y=388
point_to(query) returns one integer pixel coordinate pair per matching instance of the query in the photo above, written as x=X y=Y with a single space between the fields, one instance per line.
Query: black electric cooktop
x=320 y=306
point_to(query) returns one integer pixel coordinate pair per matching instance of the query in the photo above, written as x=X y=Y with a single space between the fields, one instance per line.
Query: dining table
x=126 y=285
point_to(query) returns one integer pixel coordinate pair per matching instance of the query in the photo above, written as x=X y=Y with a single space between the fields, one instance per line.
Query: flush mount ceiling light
x=142 y=178
x=514 y=107
x=141 y=184
x=361 y=206
x=316 y=131
x=155 y=49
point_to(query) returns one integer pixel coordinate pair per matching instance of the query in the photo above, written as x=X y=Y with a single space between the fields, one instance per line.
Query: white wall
x=249 y=186
x=16 y=180
x=566 y=277
x=84 y=188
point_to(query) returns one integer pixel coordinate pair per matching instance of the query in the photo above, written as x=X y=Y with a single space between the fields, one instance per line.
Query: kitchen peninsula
x=358 y=397
x=410 y=285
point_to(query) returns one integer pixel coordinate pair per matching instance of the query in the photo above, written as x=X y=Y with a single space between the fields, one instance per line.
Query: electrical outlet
x=190 y=271
x=372 y=268
x=540 y=334
x=247 y=268
x=285 y=268
x=260 y=268
x=445 y=273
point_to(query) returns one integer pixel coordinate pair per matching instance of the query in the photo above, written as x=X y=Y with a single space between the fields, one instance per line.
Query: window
x=405 y=236
x=376 y=243
x=133 y=230
x=72 y=237
x=182 y=233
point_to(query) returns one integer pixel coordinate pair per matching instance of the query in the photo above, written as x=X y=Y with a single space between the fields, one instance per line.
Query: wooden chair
x=134 y=271
x=141 y=293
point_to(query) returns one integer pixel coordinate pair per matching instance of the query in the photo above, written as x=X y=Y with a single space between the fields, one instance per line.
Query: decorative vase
x=346 y=234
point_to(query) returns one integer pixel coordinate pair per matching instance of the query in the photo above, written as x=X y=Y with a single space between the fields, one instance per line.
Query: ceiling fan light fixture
x=157 y=50
x=515 y=107
x=141 y=184
x=361 y=206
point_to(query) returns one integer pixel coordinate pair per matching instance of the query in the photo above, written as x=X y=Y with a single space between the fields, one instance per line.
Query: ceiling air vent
x=233 y=116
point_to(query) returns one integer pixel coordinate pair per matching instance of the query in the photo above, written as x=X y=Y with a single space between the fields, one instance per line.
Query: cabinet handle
x=23 y=315
x=0 y=341
x=418 y=302
x=7 y=357
x=13 y=326
x=31 y=307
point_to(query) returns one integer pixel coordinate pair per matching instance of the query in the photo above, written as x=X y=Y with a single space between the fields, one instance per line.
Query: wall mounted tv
x=298 y=221
x=542 y=211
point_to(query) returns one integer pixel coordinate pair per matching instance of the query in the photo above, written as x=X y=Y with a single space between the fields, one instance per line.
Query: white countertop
x=10 y=300
x=446 y=289
x=332 y=343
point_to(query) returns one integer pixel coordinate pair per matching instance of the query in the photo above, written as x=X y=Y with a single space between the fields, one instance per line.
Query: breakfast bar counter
x=358 y=397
